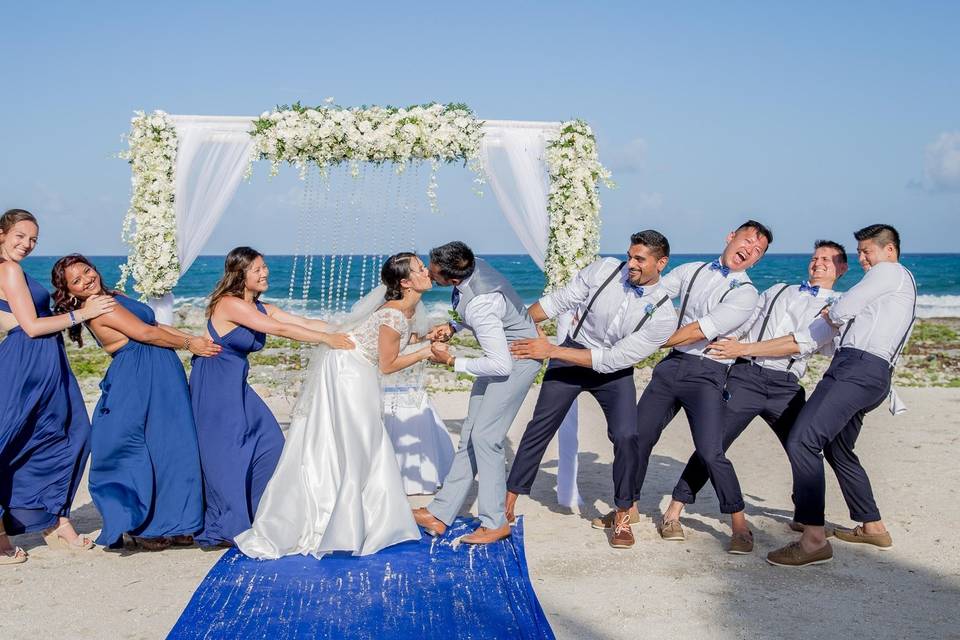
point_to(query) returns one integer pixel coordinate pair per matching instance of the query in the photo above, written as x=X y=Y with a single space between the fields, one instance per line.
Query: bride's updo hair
x=395 y=269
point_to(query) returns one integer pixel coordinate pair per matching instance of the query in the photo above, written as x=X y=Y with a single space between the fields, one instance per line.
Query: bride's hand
x=441 y=332
x=439 y=352
x=339 y=341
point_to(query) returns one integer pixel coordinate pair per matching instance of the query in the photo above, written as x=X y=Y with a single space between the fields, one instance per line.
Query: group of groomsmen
x=735 y=354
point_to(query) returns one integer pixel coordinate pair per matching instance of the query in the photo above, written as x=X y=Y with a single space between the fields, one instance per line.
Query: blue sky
x=815 y=119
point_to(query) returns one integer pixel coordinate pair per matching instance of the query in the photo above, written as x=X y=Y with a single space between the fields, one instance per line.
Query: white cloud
x=942 y=164
x=629 y=158
x=649 y=201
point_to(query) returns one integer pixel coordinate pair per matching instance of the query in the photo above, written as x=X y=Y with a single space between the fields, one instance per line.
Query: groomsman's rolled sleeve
x=816 y=336
x=483 y=315
x=730 y=314
x=638 y=345
x=575 y=293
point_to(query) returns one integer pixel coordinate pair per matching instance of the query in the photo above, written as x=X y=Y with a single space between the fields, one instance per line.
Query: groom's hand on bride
x=440 y=353
x=440 y=333
x=339 y=341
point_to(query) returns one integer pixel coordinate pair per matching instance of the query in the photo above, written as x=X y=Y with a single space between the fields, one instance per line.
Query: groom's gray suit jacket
x=517 y=323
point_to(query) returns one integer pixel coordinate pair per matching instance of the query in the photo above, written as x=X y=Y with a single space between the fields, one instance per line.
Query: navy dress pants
x=828 y=426
x=752 y=391
x=617 y=396
x=695 y=384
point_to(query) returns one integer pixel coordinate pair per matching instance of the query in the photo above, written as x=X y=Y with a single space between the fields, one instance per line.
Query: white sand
x=589 y=590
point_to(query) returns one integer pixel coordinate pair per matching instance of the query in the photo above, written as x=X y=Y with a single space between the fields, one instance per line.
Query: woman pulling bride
x=337 y=486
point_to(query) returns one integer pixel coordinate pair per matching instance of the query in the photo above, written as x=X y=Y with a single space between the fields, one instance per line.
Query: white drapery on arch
x=212 y=156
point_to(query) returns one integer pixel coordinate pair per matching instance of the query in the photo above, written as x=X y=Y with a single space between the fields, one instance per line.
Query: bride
x=337 y=486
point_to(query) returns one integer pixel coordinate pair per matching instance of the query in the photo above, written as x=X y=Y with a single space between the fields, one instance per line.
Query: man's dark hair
x=760 y=228
x=454 y=259
x=836 y=246
x=653 y=240
x=882 y=234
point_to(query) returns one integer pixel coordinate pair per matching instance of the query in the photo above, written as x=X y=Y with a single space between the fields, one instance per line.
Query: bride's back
x=367 y=333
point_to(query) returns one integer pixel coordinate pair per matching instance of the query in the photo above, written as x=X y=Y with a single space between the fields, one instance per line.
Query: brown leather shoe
x=483 y=535
x=508 y=505
x=622 y=533
x=429 y=522
x=882 y=541
x=741 y=544
x=607 y=521
x=793 y=555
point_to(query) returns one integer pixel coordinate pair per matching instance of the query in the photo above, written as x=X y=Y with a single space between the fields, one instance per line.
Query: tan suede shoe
x=607 y=521
x=793 y=555
x=882 y=541
x=671 y=530
x=741 y=544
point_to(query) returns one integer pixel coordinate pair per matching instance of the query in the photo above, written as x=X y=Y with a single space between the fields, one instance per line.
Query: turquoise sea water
x=938 y=277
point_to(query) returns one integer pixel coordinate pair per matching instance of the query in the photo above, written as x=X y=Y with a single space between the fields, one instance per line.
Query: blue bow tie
x=716 y=266
x=812 y=290
x=455 y=297
x=637 y=289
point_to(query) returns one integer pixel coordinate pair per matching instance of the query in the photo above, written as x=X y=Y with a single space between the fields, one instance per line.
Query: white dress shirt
x=716 y=318
x=792 y=314
x=484 y=316
x=609 y=329
x=881 y=306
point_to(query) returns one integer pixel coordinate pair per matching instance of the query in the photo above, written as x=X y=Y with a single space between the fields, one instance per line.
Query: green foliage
x=926 y=331
x=89 y=362
x=652 y=360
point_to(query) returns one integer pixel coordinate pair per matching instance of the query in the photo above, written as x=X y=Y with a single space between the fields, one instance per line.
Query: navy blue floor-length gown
x=145 y=463
x=44 y=427
x=240 y=440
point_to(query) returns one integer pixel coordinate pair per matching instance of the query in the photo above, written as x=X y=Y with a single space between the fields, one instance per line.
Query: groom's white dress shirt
x=609 y=329
x=484 y=316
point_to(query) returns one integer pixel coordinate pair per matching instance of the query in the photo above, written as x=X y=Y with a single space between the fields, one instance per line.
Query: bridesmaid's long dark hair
x=63 y=300
x=234 y=273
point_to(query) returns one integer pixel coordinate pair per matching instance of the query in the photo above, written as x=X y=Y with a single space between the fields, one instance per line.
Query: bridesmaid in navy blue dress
x=44 y=428
x=240 y=440
x=145 y=465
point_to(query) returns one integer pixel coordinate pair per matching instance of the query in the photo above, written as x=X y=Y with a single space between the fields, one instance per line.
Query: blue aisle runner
x=425 y=589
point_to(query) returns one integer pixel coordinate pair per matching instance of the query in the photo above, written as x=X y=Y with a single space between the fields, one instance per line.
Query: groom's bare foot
x=509 y=504
x=483 y=535
x=429 y=522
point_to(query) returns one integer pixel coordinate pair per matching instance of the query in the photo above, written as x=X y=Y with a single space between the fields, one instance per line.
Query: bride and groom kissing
x=337 y=486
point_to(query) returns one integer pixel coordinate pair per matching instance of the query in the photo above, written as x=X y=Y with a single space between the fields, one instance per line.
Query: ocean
x=938 y=278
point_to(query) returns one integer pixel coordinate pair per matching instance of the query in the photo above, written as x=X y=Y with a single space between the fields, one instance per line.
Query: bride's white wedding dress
x=337 y=486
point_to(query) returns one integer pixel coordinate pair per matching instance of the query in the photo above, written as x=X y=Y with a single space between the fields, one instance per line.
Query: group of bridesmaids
x=170 y=463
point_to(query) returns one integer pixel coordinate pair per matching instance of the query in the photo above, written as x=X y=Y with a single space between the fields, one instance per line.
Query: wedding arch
x=186 y=170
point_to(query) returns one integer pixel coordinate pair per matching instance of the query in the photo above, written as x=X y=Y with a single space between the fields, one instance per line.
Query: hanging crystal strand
x=323 y=198
x=310 y=188
x=356 y=191
x=410 y=217
x=336 y=232
x=301 y=232
x=316 y=210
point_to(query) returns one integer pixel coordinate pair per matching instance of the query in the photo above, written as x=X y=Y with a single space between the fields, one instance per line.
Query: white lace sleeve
x=394 y=319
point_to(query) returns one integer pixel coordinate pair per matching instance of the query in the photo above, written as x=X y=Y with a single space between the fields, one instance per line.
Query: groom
x=489 y=307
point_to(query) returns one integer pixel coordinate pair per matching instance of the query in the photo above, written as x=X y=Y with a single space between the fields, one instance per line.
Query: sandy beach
x=590 y=590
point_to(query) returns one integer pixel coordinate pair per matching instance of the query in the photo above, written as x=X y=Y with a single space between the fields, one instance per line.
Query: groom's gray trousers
x=494 y=403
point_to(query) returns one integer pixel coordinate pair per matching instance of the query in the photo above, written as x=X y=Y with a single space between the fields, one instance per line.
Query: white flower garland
x=573 y=202
x=329 y=135
x=150 y=226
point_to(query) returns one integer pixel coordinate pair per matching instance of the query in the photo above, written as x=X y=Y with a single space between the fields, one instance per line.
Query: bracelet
x=186 y=343
x=73 y=319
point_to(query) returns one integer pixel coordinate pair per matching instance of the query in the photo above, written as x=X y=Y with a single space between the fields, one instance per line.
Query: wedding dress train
x=337 y=486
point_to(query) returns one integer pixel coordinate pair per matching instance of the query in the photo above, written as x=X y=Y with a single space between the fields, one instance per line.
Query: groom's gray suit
x=494 y=403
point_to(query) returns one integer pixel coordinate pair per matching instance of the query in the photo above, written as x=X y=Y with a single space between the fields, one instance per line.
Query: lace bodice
x=367 y=333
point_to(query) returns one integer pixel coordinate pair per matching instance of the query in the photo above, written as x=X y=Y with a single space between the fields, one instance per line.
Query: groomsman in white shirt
x=764 y=380
x=877 y=315
x=716 y=298
x=622 y=316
